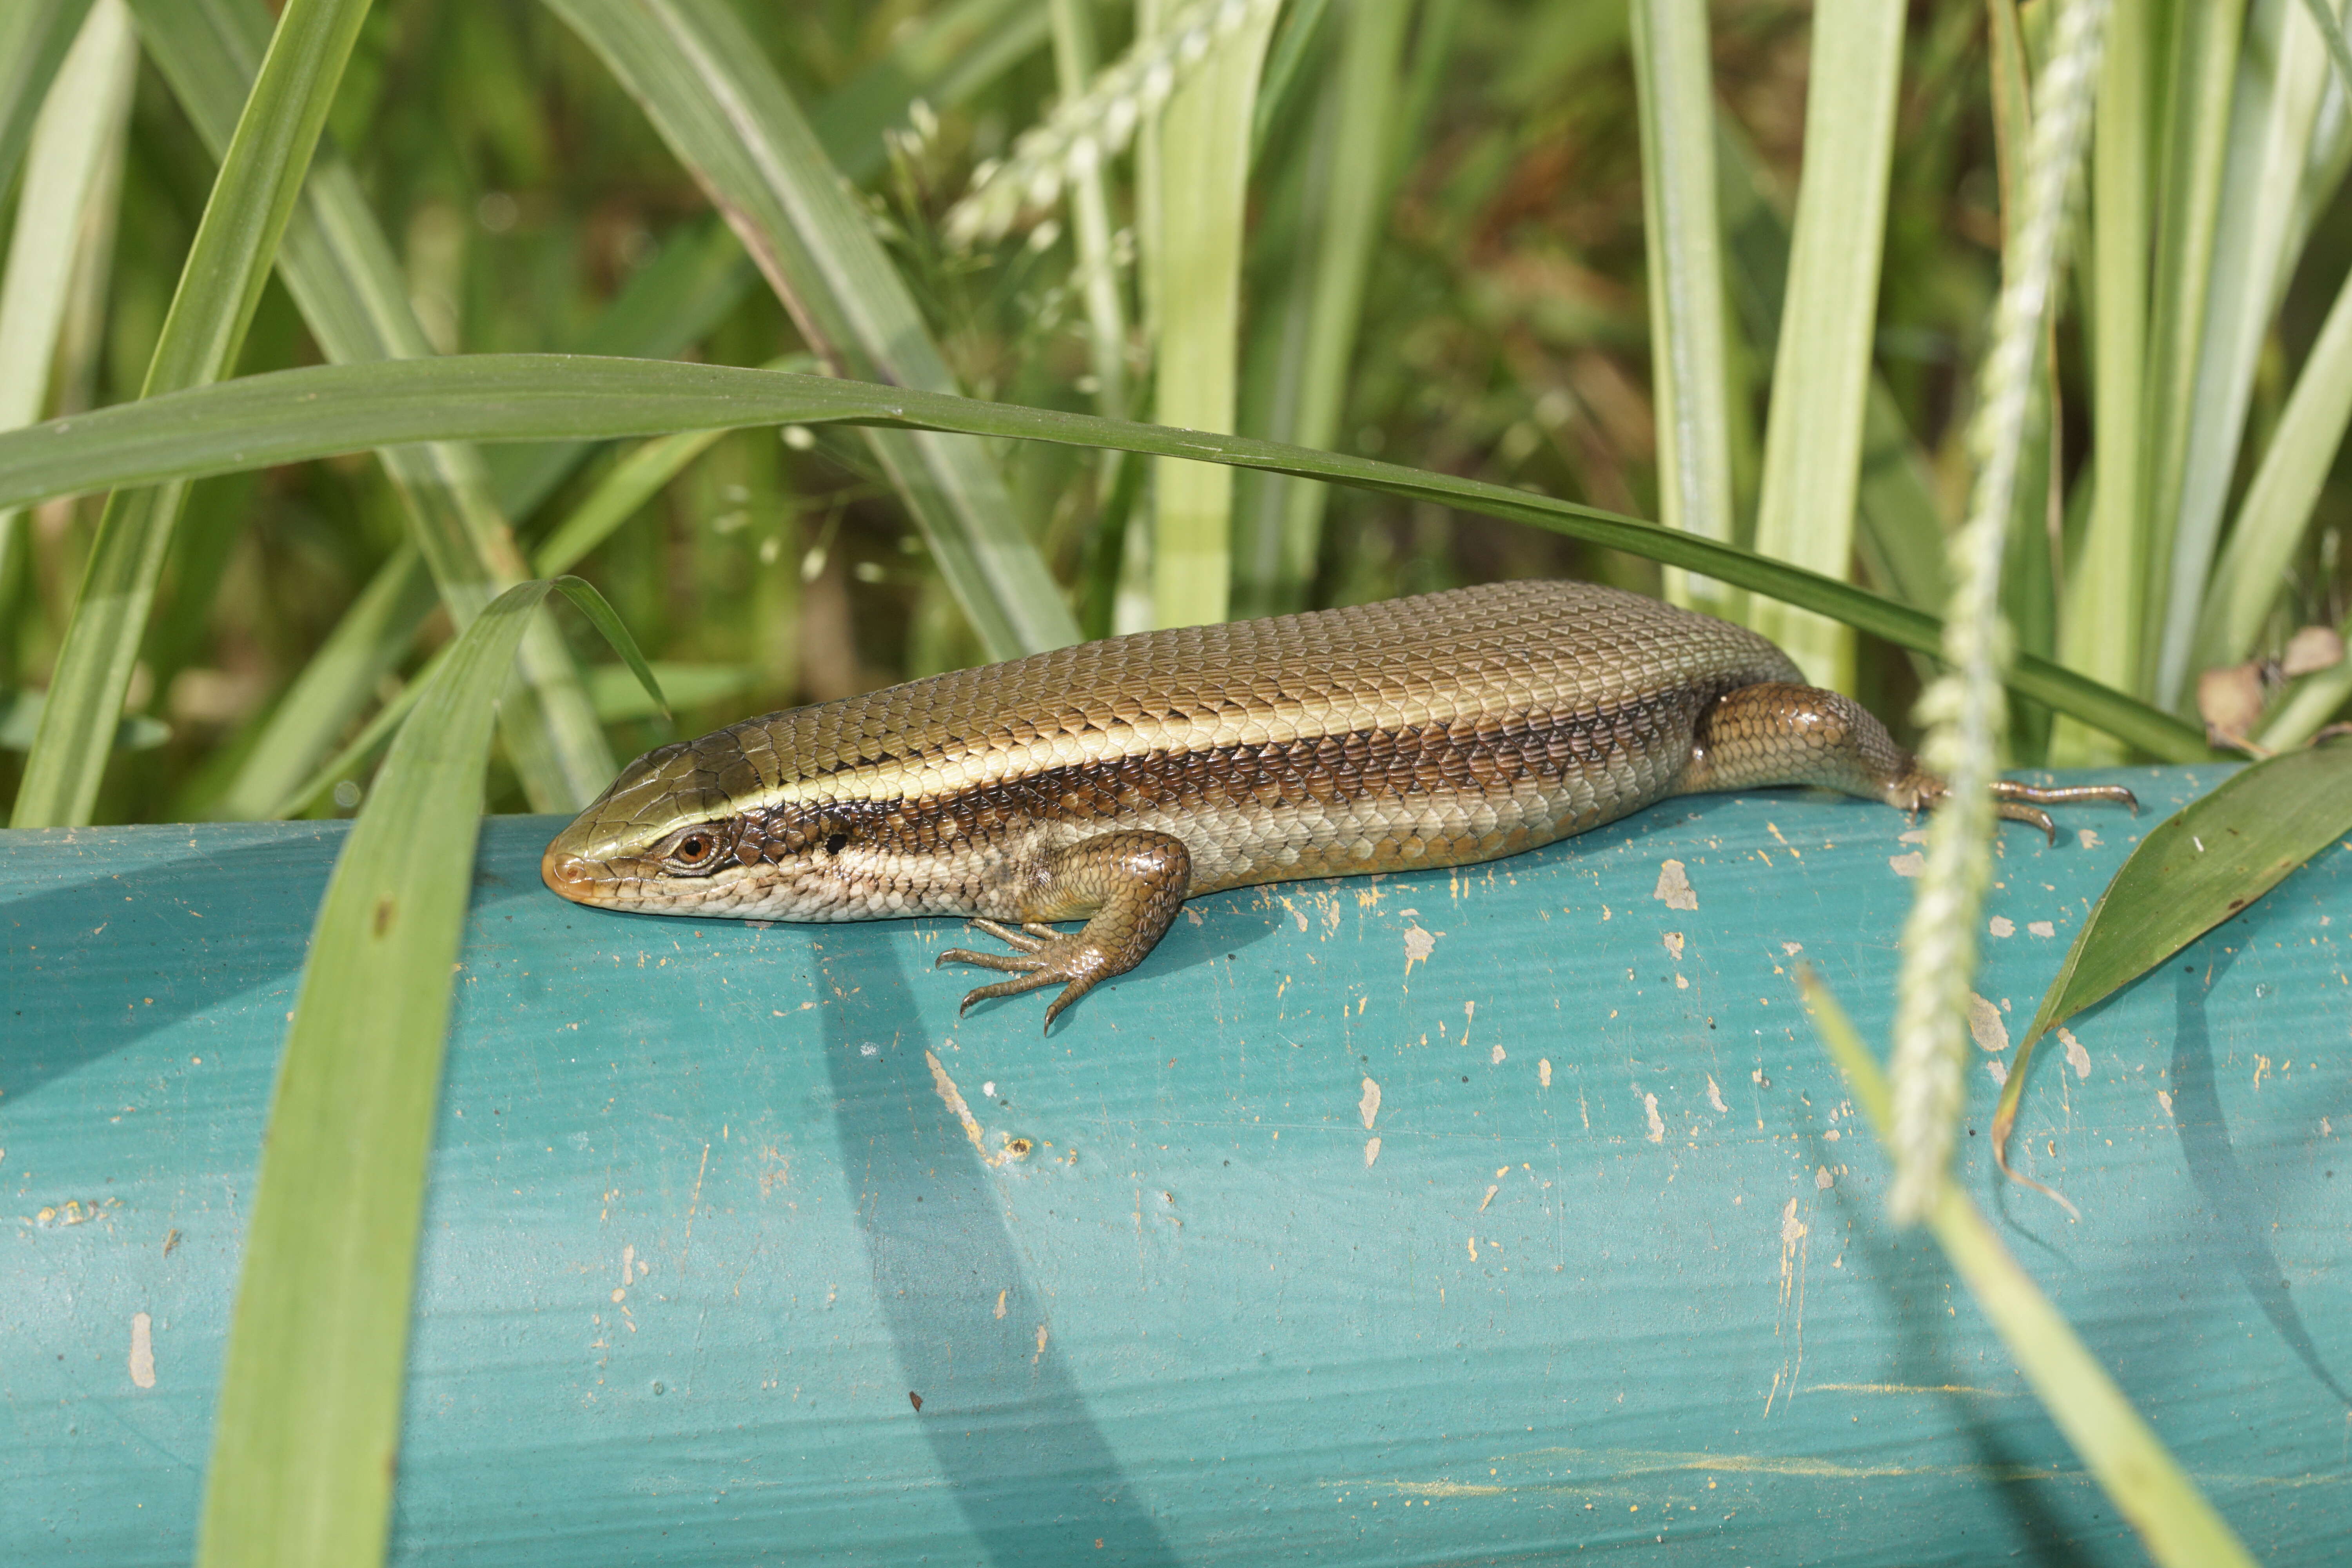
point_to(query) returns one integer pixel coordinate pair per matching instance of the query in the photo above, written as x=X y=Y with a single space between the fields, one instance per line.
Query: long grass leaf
x=2280 y=81
x=219 y=286
x=305 y=1444
x=2100 y=631
x=2282 y=501
x=1673 y=72
x=1820 y=377
x=2154 y=1494
x=290 y=415
x=35 y=35
x=72 y=175
x=1278 y=522
x=1201 y=195
x=1901 y=539
x=719 y=103
x=2204 y=68
x=1098 y=269
x=355 y=297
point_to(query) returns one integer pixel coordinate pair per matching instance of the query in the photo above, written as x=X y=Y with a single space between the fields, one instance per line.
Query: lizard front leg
x=1125 y=886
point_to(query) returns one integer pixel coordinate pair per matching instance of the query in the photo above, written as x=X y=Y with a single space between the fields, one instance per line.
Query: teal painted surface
x=701 y=1218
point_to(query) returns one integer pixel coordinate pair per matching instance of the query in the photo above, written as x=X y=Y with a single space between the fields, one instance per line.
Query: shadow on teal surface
x=1019 y=1451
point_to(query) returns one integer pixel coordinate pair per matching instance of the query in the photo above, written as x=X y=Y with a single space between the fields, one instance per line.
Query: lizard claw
x=1043 y=957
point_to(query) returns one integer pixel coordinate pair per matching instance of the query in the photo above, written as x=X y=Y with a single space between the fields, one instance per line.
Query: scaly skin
x=1111 y=781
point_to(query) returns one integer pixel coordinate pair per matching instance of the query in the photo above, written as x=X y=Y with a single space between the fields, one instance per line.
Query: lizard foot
x=1042 y=956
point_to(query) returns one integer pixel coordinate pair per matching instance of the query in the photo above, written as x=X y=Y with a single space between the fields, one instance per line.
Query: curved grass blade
x=2155 y=1495
x=220 y=285
x=716 y=100
x=304 y=1446
x=290 y=415
x=2207 y=862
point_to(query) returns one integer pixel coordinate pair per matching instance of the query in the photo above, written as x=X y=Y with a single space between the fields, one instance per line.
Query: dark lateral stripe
x=1489 y=755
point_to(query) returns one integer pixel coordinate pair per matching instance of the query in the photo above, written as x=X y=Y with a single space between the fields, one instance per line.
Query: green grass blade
x=2282 y=501
x=291 y=415
x=1278 y=527
x=72 y=176
x=35 y=35
x=1075 y=61
x=2099 y=632
x=619 y=695
x=1201 y=195
x=2280 y=82
x=2196 y=147
x=305 y=1445
x=2331 y=33
x=1901 y=540
x=2154 y=1494
x=591 y=604
x=1673 y=69
x=2200 y=866
x=355 y=297
x=1301 y=24
x=729 y=117
x=219 y=286
x=1820 y=377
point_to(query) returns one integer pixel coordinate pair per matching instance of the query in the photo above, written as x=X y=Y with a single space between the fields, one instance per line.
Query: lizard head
x=690 y=829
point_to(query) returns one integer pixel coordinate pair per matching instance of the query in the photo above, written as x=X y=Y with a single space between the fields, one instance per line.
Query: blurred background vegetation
x=1503 y=334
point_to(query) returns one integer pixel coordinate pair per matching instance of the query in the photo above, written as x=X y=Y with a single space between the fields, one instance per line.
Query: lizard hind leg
x=1778 y=733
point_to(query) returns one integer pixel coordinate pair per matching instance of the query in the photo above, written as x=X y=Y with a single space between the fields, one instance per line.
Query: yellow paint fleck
x=1674 y=944
x=1674 y=888
x=952 y=1098
x=1543 y=1071
x=1657 y=1124
x=1489 y=1198
x=1000 y=1301
x=2002 y=925
x=1714 y=1096
x=1371 y=1151
x=1370 y=1105
x=1496 y=1056
x=142 y=1350
x=1985 y=1027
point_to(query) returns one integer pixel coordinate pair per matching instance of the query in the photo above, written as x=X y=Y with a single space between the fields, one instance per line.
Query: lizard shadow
x=2232 y=1223
x=1008 y=1426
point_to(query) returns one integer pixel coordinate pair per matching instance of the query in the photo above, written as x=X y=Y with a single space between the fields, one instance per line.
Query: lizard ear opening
x=835 y=843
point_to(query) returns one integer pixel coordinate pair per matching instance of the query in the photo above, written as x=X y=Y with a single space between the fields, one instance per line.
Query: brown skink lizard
x=1110 y=782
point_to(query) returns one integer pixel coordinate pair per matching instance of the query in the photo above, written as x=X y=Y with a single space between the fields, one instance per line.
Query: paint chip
x=2165 y=1101
x=2088 y=837
x=1674 y=888
x=1418 y=945
x=142 y=1350
x=1715 y=1097
x=1985 y=1027
x=2002 y=925
x=2042 y=928
x=1792 y=1229
x=2076 y=1056
x=1657 y=1124
x=1543 y=1071
x=1000 y=1301
x=2000 y=1071
x=1909 y=864
x=1792 y=948
x=1673 y=942
x=1822 y=1180
x=1370 y=1106
x=1371 y=1151
x=1496 y=1056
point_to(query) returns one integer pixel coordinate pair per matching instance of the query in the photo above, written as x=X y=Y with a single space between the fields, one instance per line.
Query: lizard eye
x=695 y=851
